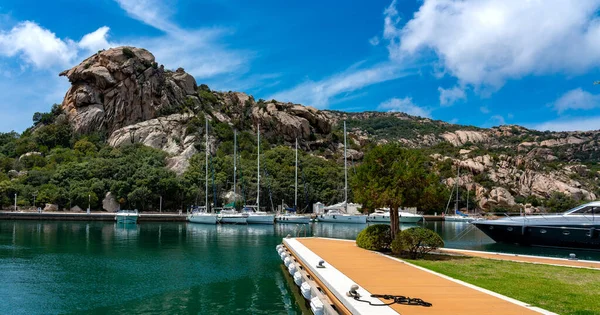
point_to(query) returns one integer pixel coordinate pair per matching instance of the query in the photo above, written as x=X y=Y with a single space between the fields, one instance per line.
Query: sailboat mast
x=457 y=177
x=258 y=168
x=345 y=172
x=296 y=184
x=206 y=163
x=234 y=166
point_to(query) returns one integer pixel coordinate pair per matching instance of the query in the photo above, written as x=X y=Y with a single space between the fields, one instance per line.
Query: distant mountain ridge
x=124 y=93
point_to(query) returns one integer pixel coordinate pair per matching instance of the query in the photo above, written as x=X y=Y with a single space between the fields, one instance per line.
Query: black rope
x=396 y=299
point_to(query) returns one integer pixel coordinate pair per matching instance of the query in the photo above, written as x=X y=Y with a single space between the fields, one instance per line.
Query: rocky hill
x=126 y=95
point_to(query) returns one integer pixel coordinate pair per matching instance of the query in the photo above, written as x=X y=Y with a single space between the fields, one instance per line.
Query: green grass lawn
x=561 y=290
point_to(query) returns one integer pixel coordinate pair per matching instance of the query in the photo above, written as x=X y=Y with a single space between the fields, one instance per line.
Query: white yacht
x=383 y=216
x=231 y=216
x=127 y=216
x=201 y=214
x=290 y=215
x=256 y=216
x=338 y=213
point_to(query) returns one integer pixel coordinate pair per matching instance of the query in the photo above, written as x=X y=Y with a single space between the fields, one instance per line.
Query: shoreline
x=93 y=216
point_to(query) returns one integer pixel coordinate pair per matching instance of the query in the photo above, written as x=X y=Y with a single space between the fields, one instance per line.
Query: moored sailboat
x=290 y=215
x=229 y=214
x=201 y=214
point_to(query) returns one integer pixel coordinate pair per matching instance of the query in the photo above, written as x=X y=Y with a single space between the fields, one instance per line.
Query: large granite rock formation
x=122 y=86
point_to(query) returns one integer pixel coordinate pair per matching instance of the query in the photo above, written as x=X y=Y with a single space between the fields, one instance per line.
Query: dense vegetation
x=375 y=237
x=416 y=242
x=48 y=163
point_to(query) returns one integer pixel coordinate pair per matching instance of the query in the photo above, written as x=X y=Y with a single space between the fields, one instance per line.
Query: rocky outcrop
x=460 y=137
x=122 y=86
x=170 y=134
x=50 y=207
x=109 y=203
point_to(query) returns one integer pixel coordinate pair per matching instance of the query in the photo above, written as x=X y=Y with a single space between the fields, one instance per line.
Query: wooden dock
x=375 y=273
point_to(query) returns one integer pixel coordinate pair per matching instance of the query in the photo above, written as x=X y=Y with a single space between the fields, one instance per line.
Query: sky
x=482 y=62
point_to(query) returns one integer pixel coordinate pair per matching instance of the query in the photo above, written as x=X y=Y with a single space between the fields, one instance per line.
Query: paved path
x=526 y=258
x=380 y=274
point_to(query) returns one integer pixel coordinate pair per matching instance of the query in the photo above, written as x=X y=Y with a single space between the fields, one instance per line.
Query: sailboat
x=255 y=216
x=201 y=214
x=290 y=215
x=339 y=213
x=458 y=216
x=229 y=214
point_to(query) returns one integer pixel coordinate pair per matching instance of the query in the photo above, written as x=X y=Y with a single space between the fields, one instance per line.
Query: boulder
x=460 y=137
x=51 y=207
x=109 y=203
x=76 y=209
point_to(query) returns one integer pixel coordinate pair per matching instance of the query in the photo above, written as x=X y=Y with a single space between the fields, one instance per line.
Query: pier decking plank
x=383 y=275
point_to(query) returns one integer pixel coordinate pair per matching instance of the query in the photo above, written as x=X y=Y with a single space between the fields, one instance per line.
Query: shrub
x=416 y=242
x=375 y=237
x=128 y=53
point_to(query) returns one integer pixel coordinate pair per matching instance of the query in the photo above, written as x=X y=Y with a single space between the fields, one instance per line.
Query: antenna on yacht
x=345 y=173
x=296 y=184
x=206 y=167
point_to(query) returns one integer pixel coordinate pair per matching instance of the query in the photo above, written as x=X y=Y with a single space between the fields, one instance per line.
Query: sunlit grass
x=562 y=290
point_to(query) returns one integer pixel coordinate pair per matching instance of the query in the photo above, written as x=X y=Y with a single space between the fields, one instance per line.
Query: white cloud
x=320 y=93
x=450 y=96
x=96 y=40
x=374 y=41
x=404 y=105
x=573 y=124
x=151 y=12
x=496 y=120
x=576 y=99
x=37 y=46
x=484 y=109
x=484 y=43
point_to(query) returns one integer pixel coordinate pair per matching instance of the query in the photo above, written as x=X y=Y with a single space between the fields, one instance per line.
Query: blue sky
x=483 y=63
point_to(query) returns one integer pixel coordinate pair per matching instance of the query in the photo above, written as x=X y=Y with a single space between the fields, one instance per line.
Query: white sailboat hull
x=404 y=218
x=293 y=219
x=233 y=219
x=207 y=218
x=260 y=219
x=457 y=218
x=343 y=218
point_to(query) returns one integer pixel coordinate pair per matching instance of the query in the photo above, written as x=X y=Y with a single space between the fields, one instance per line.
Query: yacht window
x=589 y=210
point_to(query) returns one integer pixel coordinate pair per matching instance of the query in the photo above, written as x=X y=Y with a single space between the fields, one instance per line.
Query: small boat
x=338 y=216
x=338 y=213
x=576 y=228
x=383 y=216
x=458 y=216
x=231 y=216
x=290 y=216
x=256 y=216
x=127 y=216
x=201 y=216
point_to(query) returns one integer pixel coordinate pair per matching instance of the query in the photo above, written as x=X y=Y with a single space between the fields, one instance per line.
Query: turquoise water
x=100 y=267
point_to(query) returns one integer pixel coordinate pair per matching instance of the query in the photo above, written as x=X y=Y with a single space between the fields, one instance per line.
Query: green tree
x=392 y=176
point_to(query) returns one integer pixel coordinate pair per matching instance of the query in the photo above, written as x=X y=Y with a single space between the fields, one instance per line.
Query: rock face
x=165 y=133
x=461 y=137
x=122 y=86
x=50 y=207
x=109 y=203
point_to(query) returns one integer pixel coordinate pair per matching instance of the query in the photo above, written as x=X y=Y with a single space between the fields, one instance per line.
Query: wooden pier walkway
x=380 y=274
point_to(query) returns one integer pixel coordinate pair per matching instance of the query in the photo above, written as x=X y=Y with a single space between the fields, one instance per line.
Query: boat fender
x=316 y=306
x=592 y=229
x=283 y=255
x=305 y=289
x=287 y=261
x=292 y=269
x=334 y=217
x=298 y=278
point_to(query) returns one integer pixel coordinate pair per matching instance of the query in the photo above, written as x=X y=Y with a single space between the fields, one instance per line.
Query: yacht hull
x=203 y=219
x=126 y=219
x=457 y=218
x=586 y=236
x=293 y=219
x=261 y=219
x=386 y=219
x=343 y=218
x=233 y=219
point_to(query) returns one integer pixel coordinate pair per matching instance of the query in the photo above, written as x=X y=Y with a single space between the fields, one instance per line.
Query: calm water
x=99 y=267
